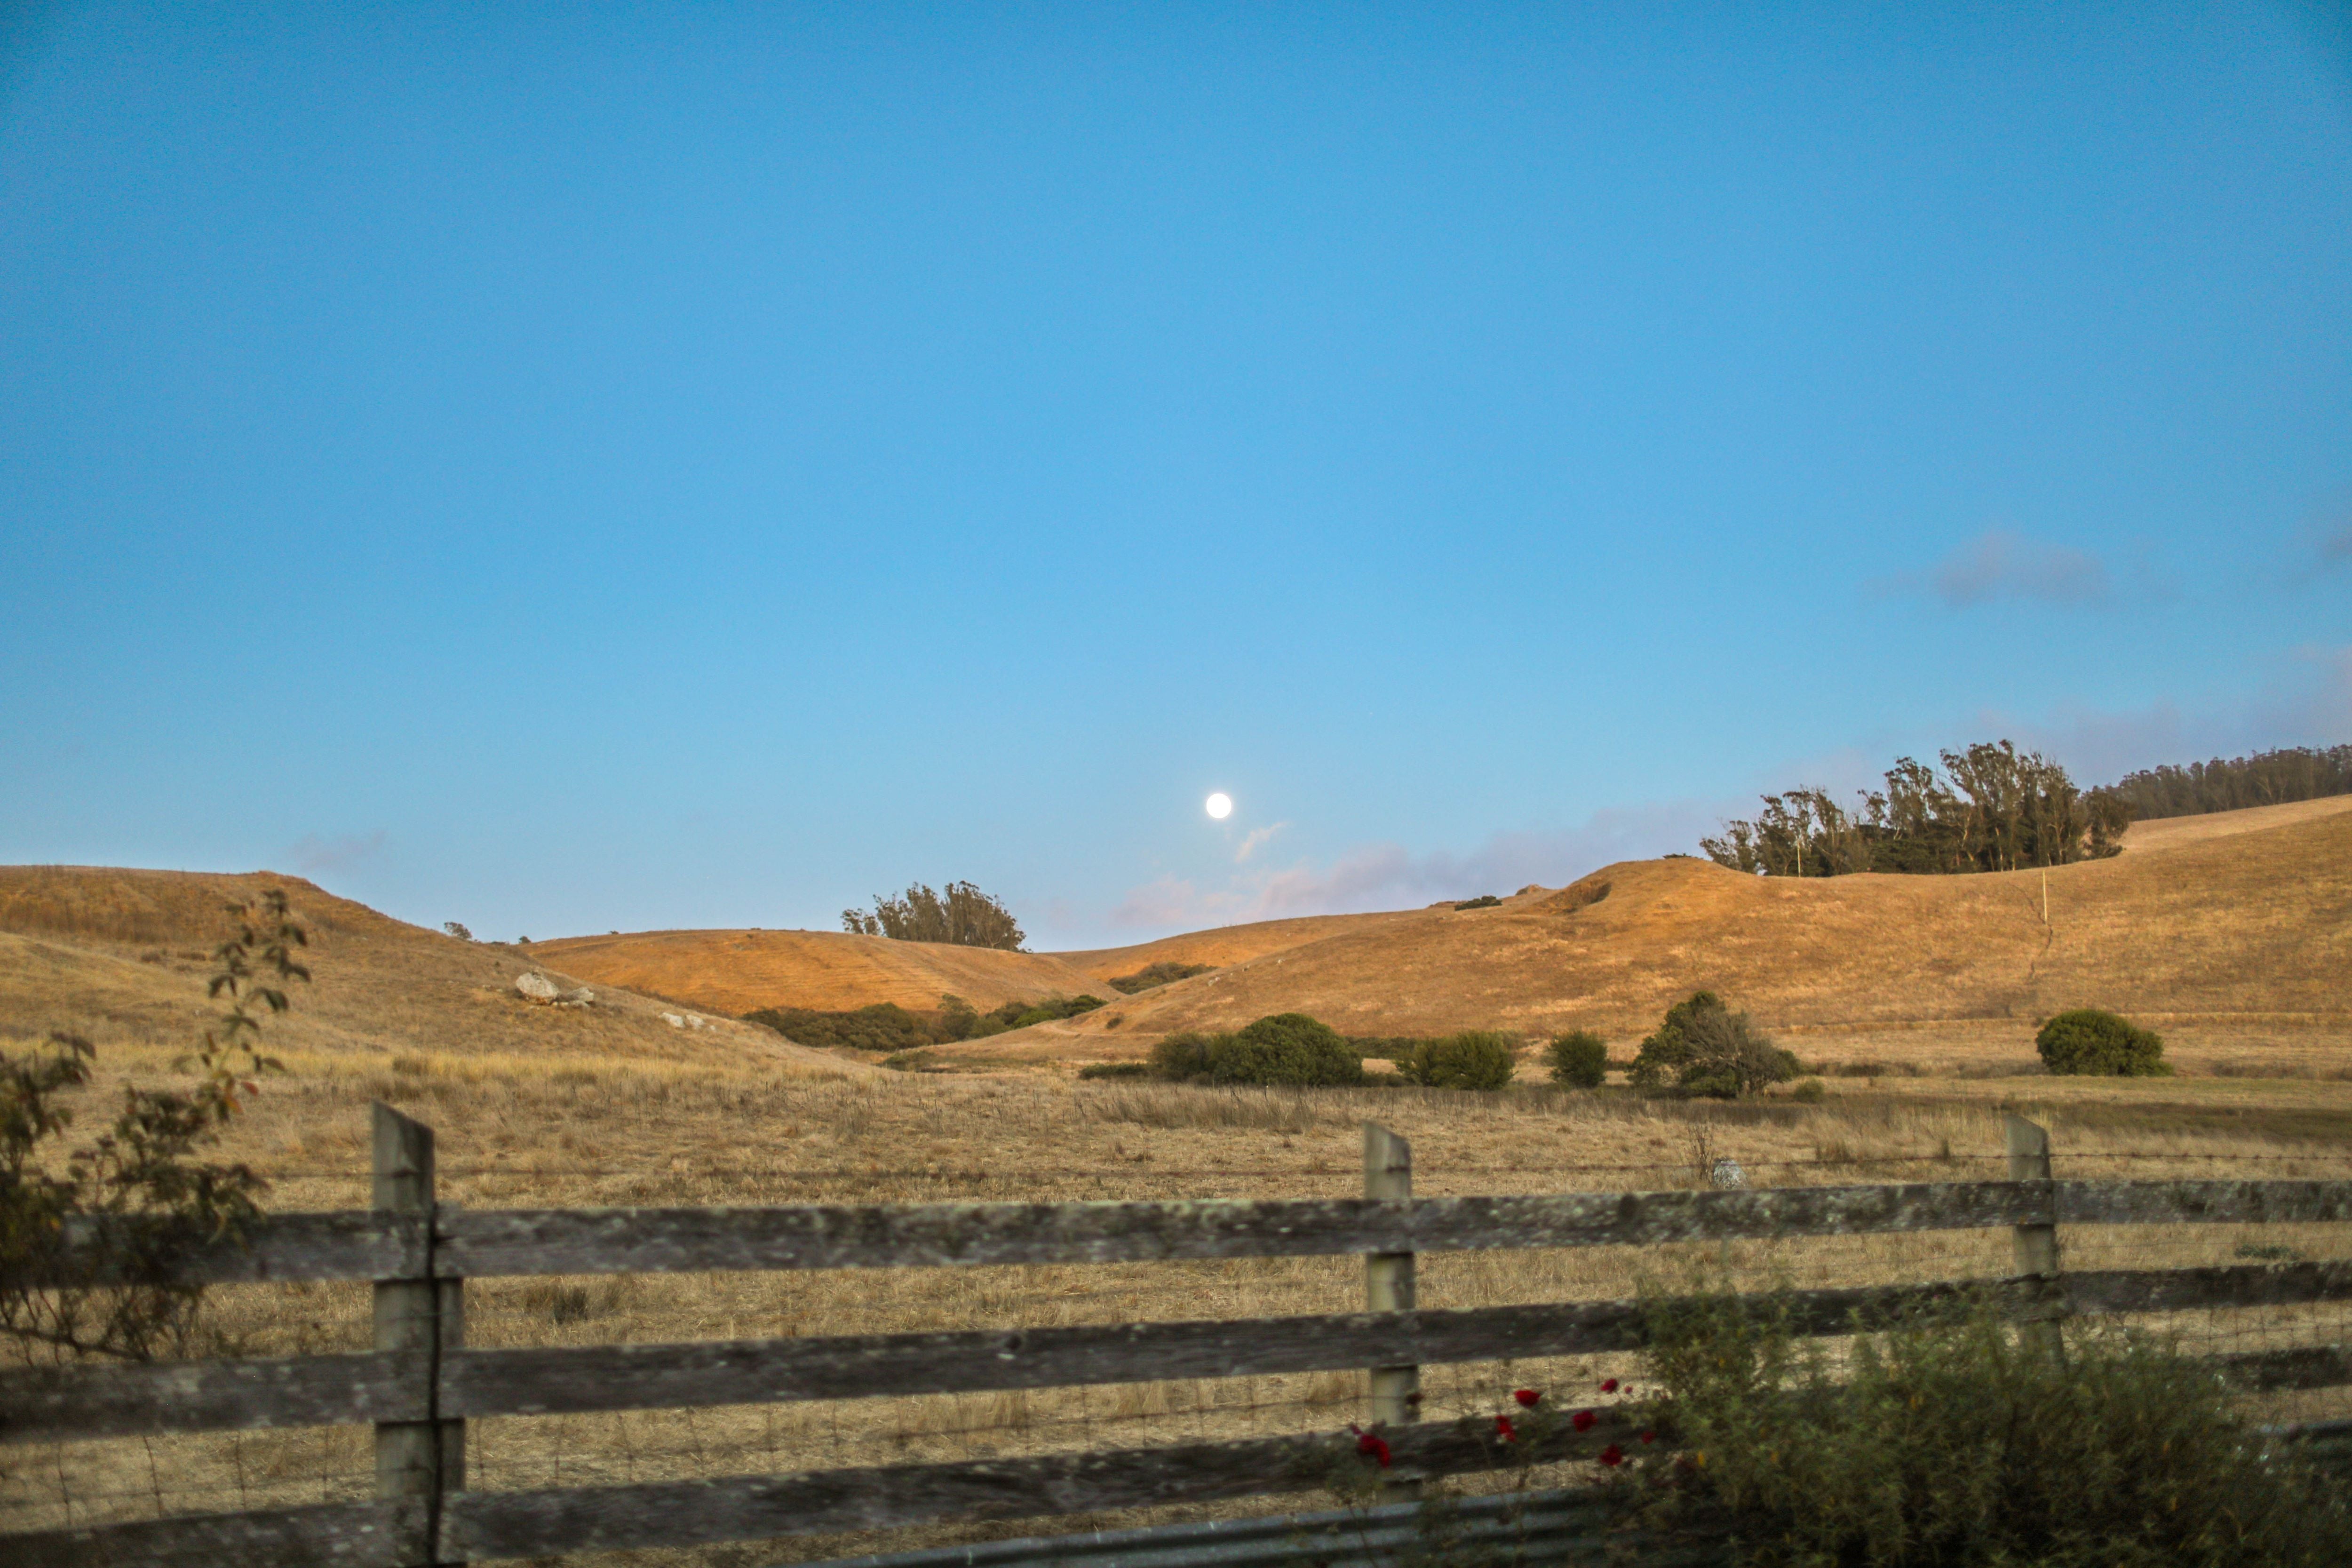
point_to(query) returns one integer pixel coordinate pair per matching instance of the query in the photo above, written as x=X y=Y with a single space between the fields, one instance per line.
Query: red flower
x=1372 y=1445
x=1582 y=1420
x=1649 y=1436
x=1504 y=1430
x=1608 y=1386
x=1612 y=1456
x=1527 y=1397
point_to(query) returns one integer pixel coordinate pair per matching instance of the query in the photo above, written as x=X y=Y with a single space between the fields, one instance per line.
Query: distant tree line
x=1992 y=808
x=965 y=916
x=2266 y=778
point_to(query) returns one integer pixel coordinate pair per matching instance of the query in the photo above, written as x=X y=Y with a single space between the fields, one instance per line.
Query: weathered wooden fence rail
x=420 y=1384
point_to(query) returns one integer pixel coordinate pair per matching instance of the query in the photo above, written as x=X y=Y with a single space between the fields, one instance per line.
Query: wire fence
x=92 y=1482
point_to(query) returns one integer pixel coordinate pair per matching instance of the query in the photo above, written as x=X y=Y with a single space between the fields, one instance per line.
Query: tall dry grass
x=580 y=1129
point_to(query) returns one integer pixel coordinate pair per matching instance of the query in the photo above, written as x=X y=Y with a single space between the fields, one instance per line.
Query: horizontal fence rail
x=474 y=1244
x=45 y=1405
x=423 y=1384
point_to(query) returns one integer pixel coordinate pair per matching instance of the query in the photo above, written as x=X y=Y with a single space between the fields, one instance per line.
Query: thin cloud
x=312 y=855
x=1257 y=839
x=1387 y=876
x=2001 y=564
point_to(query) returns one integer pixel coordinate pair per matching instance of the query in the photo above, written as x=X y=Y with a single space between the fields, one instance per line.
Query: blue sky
x=576 y=467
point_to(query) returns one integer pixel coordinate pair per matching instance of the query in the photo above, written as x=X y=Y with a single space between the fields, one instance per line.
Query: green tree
x=1992 y=808
x=964 y=916
x=1703 y=1048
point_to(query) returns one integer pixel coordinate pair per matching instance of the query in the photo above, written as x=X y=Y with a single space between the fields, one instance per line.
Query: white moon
x=1221 y=805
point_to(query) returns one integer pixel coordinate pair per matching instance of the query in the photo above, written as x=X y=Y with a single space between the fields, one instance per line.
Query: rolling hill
x=122 y=956
x=739 y=970
x=2228 y=933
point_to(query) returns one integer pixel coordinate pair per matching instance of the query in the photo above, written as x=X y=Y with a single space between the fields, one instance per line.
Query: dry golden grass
x=2234 y=939
x=538 y=1107
x=741 y=971
x=520 y=1130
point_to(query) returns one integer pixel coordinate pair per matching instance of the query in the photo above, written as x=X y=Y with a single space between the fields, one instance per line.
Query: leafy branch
x=90 y=1260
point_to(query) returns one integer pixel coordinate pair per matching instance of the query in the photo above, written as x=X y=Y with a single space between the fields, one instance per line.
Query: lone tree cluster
x=1994 y=808
x=964 y=916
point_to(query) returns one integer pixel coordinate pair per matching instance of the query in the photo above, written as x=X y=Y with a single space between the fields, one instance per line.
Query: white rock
x=673 y=1020
x=538 y=987
x=577 y=996
x=1726 y=1172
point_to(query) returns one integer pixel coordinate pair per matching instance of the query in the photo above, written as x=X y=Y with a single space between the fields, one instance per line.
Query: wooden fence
x=420 y=1384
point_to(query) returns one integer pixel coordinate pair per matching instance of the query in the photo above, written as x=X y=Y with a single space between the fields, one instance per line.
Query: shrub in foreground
x=1948 y=1439
x=2088 y=1040
x=1579 y=1058
x=1474 y=1059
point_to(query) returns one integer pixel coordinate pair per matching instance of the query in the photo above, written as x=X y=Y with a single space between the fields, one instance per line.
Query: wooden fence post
x=1389 y=1276
x=2036 y=1245
x=422 y=1315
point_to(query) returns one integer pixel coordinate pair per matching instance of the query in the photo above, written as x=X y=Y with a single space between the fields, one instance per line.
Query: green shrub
x=1474 y=1059
x=1809 y=1092
x=1116 y=1069
x=1288 y=1048
x=886 y=1027
x=1183 y=1058
x=883 y=1026
x=1482 y=902
x=1579 y=1058
x=1152 y=975
x=1704 y=1049
x=2087 y=1040
x=1948 y=1439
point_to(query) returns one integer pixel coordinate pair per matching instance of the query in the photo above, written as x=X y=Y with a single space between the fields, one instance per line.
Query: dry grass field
x=1931 y=978
x=2232 y=934
x=741 y=971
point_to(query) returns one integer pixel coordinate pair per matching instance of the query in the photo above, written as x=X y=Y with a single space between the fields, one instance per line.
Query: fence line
x=420 y=1384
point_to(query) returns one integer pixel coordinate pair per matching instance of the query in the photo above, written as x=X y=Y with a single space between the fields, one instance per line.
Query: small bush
x=1474 y=1059
x=1116 y=1069
x=1947 y=1439
x=1704 y=1049
x=1579 y=1058
x=1183 y=1058
x=2087 y=1040
x=1288 y=1048
x=1809 y=1092
x=1482 y=902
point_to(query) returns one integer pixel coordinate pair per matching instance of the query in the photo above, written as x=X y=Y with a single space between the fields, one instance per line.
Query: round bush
x=1183 y=1057
x=1578 y=1059
x=1474 y=1059
x=2090 y=1041
x=1287 y=1048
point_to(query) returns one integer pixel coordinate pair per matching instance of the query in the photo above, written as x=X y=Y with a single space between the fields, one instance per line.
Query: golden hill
x=739 y=970
x=2228 y=933
x=1222 y=945
x=122 y=956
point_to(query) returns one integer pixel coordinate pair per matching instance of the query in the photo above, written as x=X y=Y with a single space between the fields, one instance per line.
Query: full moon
x=1221 y=805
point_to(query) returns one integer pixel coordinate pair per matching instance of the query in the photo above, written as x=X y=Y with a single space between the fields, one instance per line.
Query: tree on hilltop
x=965 y=916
